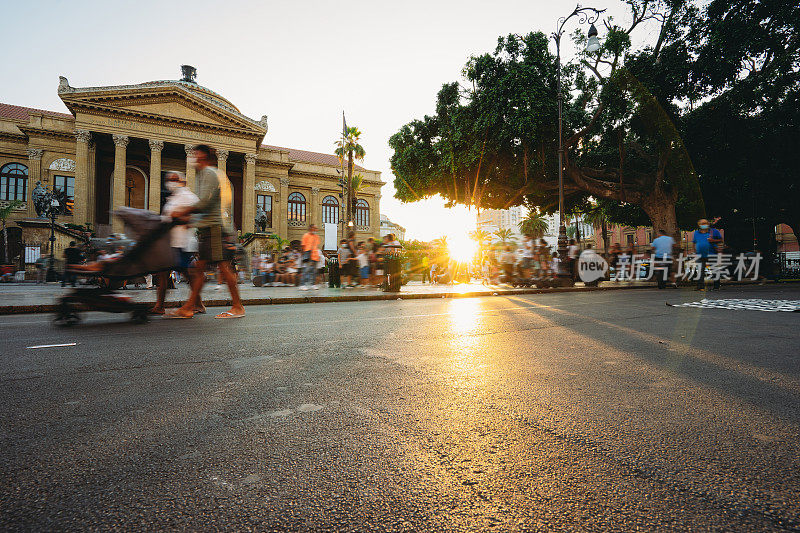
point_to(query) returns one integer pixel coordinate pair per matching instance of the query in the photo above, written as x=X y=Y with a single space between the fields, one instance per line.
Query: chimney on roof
x=188 y=73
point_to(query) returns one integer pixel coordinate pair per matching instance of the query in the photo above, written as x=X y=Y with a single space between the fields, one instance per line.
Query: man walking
x=310 y=257
x=705 y=240
x=215 y=230
x=72 y=256
x=662 y=254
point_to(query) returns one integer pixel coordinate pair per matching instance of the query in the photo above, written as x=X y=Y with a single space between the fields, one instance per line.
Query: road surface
x=584 y=411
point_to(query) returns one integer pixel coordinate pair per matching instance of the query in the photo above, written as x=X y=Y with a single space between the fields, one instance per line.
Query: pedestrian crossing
x=744 y=304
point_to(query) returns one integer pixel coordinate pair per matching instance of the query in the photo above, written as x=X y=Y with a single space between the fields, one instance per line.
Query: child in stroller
x=152 y=253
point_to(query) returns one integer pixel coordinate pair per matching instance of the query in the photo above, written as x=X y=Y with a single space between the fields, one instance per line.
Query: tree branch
x=577 y=136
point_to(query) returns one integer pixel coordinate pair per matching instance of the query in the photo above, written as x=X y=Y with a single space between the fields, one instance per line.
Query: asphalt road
x=584 y=411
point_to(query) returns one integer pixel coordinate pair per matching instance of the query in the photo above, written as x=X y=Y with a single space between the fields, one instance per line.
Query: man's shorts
x=212 y=247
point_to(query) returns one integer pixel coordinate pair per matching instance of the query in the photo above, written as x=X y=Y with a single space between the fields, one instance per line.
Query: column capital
x=315 y=190
x=222 y=154
x=83 y=136
x=156 y=145
x=189 y=149
x=35 y=154
x=285 y=182
x=121 y=140
x=250 y=158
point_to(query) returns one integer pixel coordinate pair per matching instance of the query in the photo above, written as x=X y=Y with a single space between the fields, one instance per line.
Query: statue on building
x=41 y=200
x=261 y=219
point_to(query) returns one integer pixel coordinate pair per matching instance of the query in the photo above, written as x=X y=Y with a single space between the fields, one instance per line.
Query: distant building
x=493 y=220
x=387 y=227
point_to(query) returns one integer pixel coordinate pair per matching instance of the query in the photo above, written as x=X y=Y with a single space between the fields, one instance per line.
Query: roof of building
x=19 y=113
x=15 y=112
x=305 y=156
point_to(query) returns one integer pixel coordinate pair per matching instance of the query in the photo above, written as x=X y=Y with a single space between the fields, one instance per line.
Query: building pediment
x=177 y=103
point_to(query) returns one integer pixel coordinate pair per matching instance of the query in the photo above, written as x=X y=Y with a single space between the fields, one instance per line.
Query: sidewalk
x=18 y=298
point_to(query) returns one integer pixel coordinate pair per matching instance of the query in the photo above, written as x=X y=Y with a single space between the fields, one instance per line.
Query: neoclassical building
x=116 y=142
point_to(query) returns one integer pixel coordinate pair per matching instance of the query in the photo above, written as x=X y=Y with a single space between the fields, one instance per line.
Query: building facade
x=116 y=142
x=494 y=220
x=389 y=227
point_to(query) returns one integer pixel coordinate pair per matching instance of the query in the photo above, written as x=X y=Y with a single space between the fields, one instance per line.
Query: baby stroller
x=152 y=253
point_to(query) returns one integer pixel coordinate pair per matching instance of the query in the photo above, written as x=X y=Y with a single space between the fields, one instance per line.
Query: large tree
x=493 y=141
x=745 y=137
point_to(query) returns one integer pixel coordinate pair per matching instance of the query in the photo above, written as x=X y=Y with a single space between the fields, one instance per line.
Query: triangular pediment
x=174 y=104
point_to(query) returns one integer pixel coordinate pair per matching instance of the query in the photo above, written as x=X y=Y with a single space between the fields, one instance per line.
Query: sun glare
x=461 y=247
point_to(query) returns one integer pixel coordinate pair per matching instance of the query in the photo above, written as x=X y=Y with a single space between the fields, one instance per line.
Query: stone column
x=118 y=185
x=222 y=160
x=34 y=175
x=80 y=212
x=249 y=194
x=375 y=217
x=283 y=212
x=315 y=208
x=91 y=186
x=154 y=195
x=190 y=167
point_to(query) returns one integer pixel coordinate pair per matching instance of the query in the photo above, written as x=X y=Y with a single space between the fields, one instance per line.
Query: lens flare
x=462 y=248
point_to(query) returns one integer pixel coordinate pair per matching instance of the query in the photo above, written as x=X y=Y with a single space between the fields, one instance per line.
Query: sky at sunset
x=299 y=62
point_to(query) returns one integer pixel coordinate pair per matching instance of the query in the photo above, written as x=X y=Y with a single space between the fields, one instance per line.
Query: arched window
x=13 y=182
x=330 y=210
x=297 y=207
x=362 y=212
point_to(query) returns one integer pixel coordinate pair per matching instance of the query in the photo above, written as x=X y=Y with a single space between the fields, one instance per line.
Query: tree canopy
x=634 y=136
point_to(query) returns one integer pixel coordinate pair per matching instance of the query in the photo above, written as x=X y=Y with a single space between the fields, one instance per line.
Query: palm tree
x=279 y=243
x=480 y=237
x=534 y=224
x=506 y=236
x=597 y=216
x=348 y=147
x=5 y=212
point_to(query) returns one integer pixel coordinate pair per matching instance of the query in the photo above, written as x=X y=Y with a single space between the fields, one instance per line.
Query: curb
x=49 y=308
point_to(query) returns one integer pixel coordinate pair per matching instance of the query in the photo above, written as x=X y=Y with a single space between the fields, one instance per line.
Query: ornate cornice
x=156 y=145
x=30 y=132
x=35 y=154
x=199 y=98
x=15 y=137
x=83 y=136
x=120 y=140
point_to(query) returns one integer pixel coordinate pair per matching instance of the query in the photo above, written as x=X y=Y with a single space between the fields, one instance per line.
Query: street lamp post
x=54 y=205
x=584 y=14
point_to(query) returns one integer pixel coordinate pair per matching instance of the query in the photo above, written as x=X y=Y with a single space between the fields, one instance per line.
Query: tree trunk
x=604 y=233
x=660 y=207
x=350 y=193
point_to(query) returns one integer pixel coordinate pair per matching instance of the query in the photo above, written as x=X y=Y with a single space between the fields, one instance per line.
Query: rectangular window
x=629 y=239
x=66 y=183
x=264 y=206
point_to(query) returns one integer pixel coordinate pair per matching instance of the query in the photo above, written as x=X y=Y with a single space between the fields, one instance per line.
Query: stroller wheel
x=140 y=316
x=66 y=316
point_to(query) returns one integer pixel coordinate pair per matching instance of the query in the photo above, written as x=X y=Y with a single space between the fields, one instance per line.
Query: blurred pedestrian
x=705 y=239
x=215 y=231
x=309 y=258
x=72 y=256
x=182 y=238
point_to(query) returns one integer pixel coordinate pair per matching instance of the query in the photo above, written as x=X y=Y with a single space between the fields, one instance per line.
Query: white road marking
x=52 y=345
